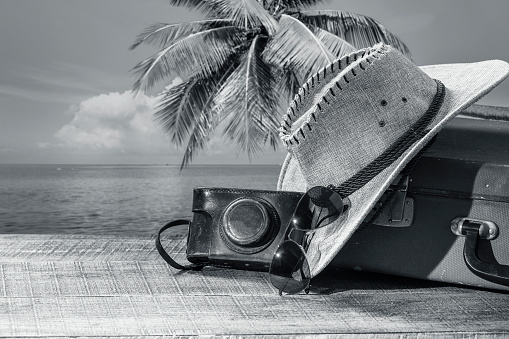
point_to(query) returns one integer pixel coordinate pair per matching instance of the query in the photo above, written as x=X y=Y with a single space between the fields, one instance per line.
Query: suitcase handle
x=493 y=272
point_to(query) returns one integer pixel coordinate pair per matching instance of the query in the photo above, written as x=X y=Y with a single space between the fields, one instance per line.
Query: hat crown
x=356 y=114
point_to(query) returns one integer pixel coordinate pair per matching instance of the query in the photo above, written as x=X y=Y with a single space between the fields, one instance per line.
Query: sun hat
x=358 y=122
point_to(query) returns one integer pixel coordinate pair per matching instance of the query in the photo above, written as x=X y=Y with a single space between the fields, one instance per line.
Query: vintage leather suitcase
x=450 y=222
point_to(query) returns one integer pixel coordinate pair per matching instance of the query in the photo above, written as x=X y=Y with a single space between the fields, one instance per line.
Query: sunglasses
x=318 y=207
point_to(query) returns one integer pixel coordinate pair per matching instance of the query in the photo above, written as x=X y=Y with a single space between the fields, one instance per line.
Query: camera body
x=238 y=228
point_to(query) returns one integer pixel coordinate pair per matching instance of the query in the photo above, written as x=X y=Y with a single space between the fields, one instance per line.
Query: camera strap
x=165 y=254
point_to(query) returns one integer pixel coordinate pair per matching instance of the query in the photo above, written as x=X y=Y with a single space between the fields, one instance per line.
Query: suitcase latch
x=487 y=229
x=399 y=211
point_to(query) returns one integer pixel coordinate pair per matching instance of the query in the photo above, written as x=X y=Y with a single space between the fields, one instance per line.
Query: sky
x=65 y=80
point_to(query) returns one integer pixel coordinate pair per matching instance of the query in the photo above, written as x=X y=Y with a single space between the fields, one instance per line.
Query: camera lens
x=246 y=222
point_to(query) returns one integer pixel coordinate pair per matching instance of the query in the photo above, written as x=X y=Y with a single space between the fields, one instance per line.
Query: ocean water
x=129 y=200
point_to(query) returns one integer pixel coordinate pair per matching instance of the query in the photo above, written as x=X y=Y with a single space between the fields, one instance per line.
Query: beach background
x=79 y=152
x=112 y=199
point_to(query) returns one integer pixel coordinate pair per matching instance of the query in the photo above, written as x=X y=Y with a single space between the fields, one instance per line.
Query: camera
x=238 y=228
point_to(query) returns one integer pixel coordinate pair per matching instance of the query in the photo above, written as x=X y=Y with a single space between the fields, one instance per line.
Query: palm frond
x=248 y=103
x=245 y=13
x=294 y=44
x=289 y=81
x=298 y=4
x=193 y=4
x=179 y=107
x=276 y=7
x=185 y=111
x=204 y=126
x=248 y=14
x=359 y=30
x=202 y=52
x=161 y=34
x=336 y=45
x=288 y=84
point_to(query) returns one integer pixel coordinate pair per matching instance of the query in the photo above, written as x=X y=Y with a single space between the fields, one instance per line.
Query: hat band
x=414 y=133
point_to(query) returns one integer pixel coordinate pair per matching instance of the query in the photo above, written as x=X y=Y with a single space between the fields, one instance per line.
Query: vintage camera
x=238 y=228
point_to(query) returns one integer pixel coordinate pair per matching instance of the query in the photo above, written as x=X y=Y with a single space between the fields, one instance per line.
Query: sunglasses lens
x=319 y=207
x=289 y=270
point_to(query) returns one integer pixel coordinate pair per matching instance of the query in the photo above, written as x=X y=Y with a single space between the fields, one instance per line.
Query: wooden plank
x=44 y=247
x=228 y=313
x=246 y=315
x=96 y=278
x=74 y=289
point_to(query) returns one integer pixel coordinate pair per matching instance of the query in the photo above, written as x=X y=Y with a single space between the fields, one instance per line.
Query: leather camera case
x=238 y=228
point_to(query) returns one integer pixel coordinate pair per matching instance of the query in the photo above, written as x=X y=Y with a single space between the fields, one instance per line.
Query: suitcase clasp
x=399 y=211
x=487 y=229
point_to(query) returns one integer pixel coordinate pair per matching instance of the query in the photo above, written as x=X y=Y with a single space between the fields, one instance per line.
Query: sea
x=114 y=200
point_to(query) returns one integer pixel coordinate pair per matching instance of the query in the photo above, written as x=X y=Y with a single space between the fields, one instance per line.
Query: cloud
x=119 y=128
x=113 y=123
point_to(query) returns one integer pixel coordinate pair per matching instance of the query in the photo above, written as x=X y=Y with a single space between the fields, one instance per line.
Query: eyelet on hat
x=381 y=123
x=383 y=102
x=404 y=99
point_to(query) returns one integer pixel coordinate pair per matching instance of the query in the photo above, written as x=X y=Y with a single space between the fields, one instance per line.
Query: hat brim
x=465 y=84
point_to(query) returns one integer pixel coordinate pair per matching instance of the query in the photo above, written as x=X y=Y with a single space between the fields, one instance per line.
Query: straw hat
x=358 y=121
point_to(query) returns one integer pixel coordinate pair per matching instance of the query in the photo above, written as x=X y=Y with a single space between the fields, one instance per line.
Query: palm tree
x=240 y=66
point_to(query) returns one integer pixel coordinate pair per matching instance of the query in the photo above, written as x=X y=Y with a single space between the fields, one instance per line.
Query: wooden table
x=111 y=286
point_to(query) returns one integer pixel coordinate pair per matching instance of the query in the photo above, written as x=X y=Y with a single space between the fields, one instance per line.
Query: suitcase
x=450 y=221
